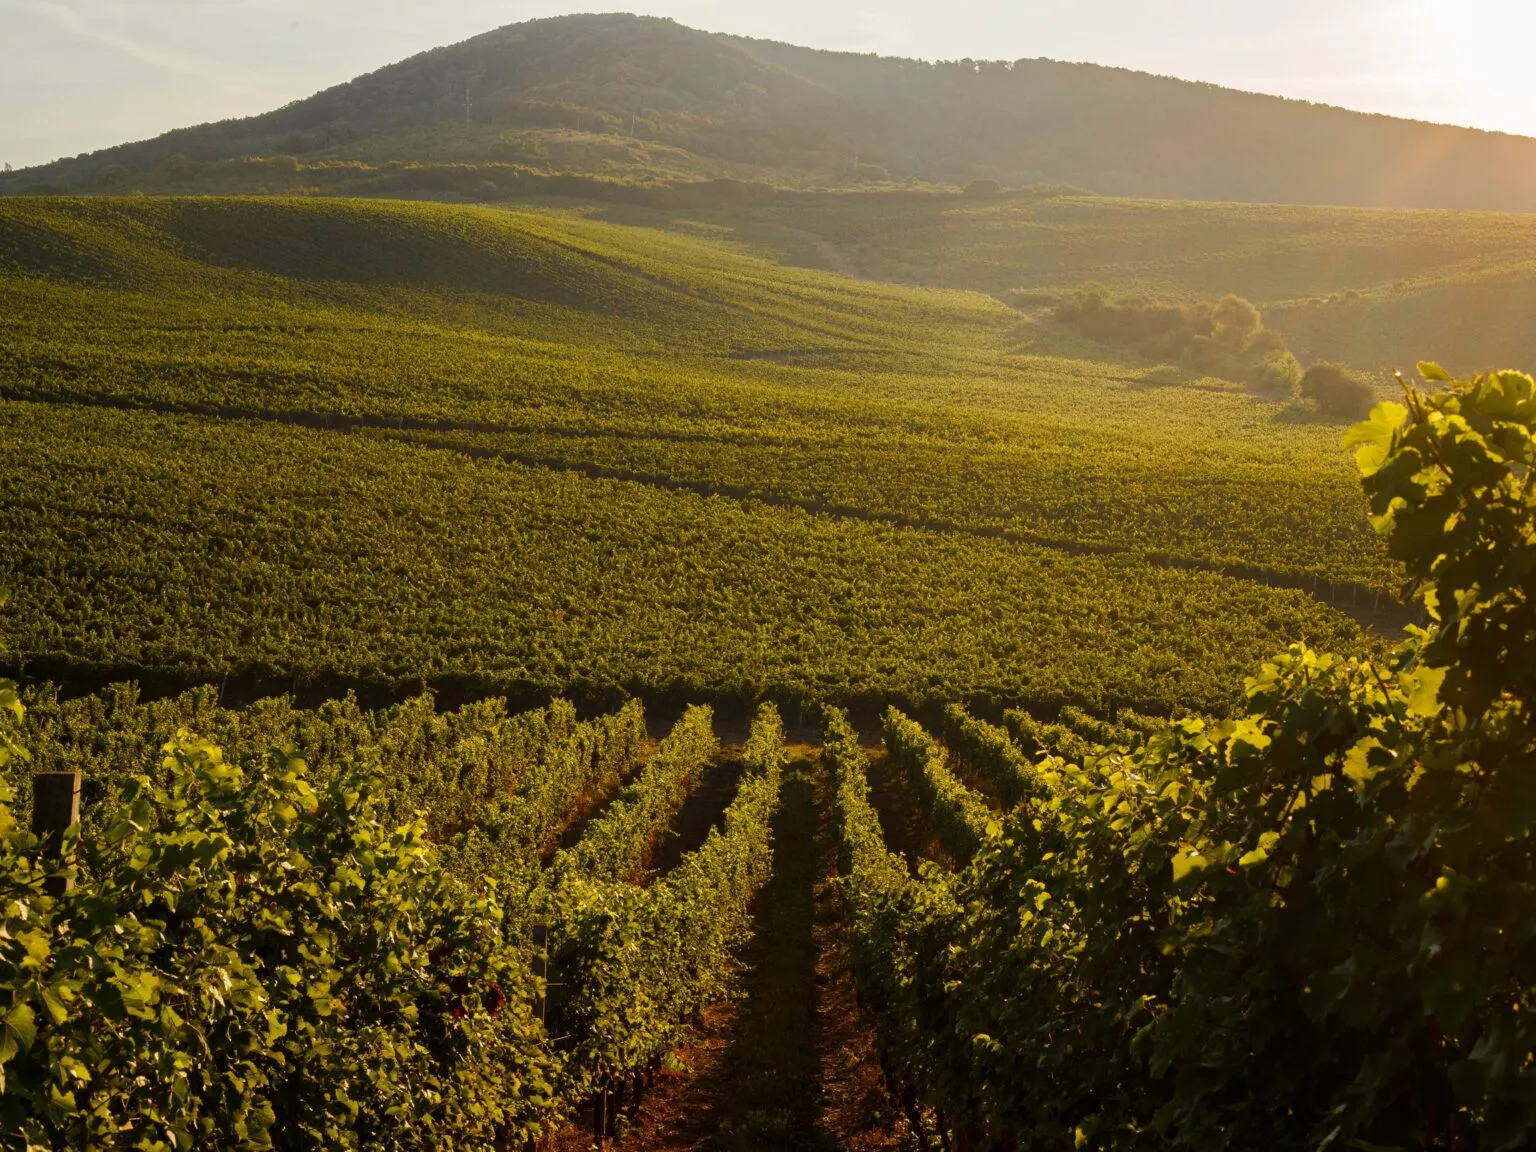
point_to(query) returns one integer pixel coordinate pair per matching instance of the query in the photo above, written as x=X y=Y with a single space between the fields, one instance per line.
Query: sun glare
x=1474 y=61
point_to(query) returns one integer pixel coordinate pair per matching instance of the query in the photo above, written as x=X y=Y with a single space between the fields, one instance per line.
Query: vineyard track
x=906 y=826
x=976 y=781
x=703 y=811
x=1363 y=604
x=789 y=1065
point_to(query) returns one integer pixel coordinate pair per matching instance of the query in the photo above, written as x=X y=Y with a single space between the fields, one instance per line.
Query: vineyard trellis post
x=55 y=808
x=600 y=1118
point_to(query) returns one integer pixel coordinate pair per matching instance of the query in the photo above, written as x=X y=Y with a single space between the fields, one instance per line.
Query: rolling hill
x=1365 y=286
x=649 y=100
x=527 y=453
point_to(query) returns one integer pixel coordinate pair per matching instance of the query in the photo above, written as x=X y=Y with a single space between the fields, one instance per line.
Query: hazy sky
x=77 y=75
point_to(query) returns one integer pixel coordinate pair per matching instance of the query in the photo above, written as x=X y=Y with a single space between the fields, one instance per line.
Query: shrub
x=1335 y=391
x=983 y=190
x=1235 y=322
x=1226 y=340
x=1275 y=378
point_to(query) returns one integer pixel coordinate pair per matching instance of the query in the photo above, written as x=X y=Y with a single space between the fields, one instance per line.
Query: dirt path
x=789 y=1065
x=902 y=818
x=703 y=810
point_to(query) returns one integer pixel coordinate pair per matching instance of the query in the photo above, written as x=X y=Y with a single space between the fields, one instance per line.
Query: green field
x=366 y=443
x=1372 y=287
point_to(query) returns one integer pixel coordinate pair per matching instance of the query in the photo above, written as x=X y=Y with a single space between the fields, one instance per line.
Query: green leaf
x=19 y=1033
x=1429 y=370
x=1250 y=730
x=55 y=1007
x=1357 y=761
x=1423 y=690
x=1261 y=853
x=1375 y=436
x=139 y=990
x=1186 y=862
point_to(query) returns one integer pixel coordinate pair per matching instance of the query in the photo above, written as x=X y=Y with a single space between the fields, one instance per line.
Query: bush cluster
x=1226 y=340
x=983 y=189
x=1335 y=392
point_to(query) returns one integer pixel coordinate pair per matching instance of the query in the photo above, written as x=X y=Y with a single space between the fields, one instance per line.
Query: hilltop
x=649 y=101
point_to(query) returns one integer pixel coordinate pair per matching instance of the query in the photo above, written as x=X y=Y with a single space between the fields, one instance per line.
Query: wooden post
x=55 y=806
x=600 y=1118
x=541 y=967
x=616 y=1107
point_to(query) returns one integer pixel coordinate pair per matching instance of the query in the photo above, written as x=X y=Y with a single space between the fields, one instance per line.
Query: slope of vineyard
x=408 y=397
x=1362 y=286
x=508 y=578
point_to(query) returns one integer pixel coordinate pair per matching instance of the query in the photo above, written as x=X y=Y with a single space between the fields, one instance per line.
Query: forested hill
x=640 y=98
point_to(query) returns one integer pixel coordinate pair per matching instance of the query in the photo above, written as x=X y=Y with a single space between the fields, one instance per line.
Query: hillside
x=1368 y=287
x=558 y=454
x=651 y=100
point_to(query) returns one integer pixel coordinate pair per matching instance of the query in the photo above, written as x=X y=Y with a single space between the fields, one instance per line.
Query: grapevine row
x=495 y=788
x=881 y=904
x=990 y=752
x=615 y=845
x=639 y=964
x=1039 y=738
x=959 y=815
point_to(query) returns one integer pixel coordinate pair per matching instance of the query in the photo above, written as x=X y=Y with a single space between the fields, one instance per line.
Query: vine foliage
x=1305 y=926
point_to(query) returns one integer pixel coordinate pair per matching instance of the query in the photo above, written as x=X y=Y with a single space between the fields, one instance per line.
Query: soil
x=787 y=1064
x=902 y=818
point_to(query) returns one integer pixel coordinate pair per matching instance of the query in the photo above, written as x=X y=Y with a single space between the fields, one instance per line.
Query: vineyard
x=535 y=681
x=279 y=927
x=560 y=456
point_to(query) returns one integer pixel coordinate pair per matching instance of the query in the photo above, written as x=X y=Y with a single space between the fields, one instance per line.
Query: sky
x=78 y=75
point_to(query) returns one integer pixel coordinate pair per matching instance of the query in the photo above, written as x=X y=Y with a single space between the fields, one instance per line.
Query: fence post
x=55 y=806
x=600 y=1118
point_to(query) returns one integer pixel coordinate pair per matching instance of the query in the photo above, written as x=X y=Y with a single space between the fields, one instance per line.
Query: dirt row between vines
x=788 y=1064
